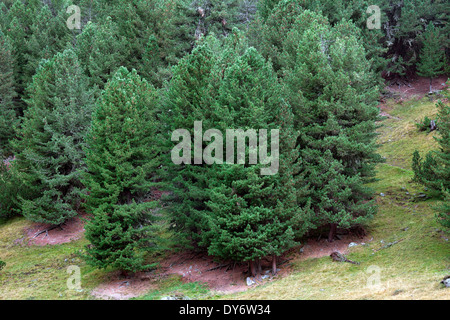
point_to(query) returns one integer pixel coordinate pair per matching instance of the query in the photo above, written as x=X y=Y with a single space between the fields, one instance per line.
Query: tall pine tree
x=254 y=215
x=122 y=160
x=431 y=62
x=333 y=93
x=49 y=143
x=8 y=116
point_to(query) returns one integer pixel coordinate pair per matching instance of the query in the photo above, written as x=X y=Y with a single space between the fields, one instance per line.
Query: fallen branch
x=281 y=263
x=46 y=231
x=390 y=244
x=336 y=256
x=218 y=267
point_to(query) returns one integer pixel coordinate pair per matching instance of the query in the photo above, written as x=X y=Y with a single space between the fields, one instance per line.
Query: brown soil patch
x=71 y=230
x=124 y=288
x=221 y=277
x=320 y=248
x=417 y=87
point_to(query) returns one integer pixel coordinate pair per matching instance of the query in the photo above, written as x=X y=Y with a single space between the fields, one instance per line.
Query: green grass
x=174 y=287
x=409 y=269
x=34 y=272
x=399 y=136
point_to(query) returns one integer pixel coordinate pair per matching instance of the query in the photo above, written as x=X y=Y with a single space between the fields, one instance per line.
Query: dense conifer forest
x=271 y=138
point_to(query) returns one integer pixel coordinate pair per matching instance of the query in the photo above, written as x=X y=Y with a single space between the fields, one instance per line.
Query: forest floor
x=404 y=255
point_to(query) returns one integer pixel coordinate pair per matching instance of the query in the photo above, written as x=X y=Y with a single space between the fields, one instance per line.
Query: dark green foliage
x=101 y=50
x=49 y=144
x=255 y=215
x=431 y=56
x=2 y=265
x=333 y=92
x=403 y=23
x=276 y=19
x=269 y=34
x=122 y=159
x=231 y=209
x=434 y=171
x=184 y=102
x=425 y=124
x=17 y=26
x=8 y=116
x=443 y=215
x=10 y=187
x=48 y=35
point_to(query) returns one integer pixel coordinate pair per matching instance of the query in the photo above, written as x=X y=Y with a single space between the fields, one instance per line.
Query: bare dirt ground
x=124 y=288
x=416 y=88
x=319 y=248
x=220 y=277
x=71 y=230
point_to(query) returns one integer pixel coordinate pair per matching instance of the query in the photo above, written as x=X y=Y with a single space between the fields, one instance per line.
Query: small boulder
x=250 y=281
x=446 y=281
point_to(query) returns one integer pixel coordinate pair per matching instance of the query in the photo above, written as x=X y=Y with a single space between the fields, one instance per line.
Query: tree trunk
x=333 y=227
x=259 y=267
x=431 y=80
x=274 y=264
x=252 y=269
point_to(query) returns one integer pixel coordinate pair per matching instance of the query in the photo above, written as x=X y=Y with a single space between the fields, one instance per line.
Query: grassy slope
x=410 y=269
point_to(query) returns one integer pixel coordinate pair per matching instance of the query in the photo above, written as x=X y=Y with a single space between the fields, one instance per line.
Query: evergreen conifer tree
x=334 y=95
x=122 y=159
x=8 y=116
x=431 y=62
x=188 y=99
x=434 y=170
x=49 y=143
x=254 y=215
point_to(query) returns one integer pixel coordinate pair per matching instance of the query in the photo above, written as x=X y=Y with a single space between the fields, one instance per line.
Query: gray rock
x=352 y=244
x=382 y=194
x=250 y=281
x=446 y=282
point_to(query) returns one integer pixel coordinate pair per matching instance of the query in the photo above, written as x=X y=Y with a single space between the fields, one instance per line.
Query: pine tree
x=8 y=116
x=49 y=143
x=122 y=159
x=254 y=215
x=272 y=28
x=101 y=51
x=434 y=170
x=48 y=35
x=184 y=103
x=20 y=18
x=443 y=215
x=431 y=62
x=333 y=92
